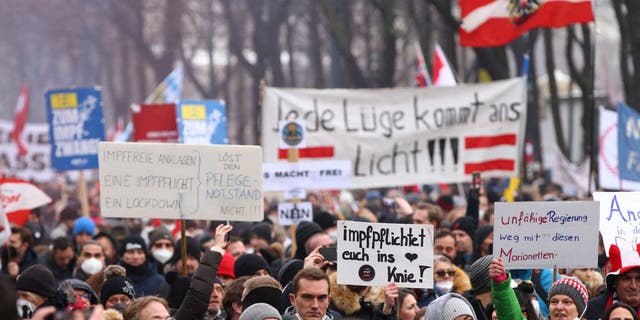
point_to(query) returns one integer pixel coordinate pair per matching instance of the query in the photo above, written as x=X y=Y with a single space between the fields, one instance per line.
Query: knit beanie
x=158 y=234
x=37 y=279
x=573 y=288
x=227 y=265
x=481 y=234
x=132 y=243
x=289 y=270
x=479 y=274
x=260 y=311
x=466 y=224
x=84 y=225
x=193 y=249
x=264 y=294
x=456 y=306
x=325 y=220
x=116 y=282
x=305 y=230
x=261 y=230
x=249 y=264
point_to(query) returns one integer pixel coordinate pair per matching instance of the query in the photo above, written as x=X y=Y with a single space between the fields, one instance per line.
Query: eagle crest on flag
x=521 y=10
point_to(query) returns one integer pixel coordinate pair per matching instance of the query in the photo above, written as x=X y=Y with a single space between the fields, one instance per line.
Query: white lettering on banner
x=620 y=223
x=36 y=165
x=68 y=128
x=281 y=176
x=546 y=234
x=403 y=136
x=147 y=179
x=374 y=254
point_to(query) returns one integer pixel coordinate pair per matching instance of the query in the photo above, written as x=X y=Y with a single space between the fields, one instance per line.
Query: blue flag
x=628 y=143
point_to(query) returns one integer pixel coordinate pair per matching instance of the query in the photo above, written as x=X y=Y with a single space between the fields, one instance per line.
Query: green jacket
x=505 y=301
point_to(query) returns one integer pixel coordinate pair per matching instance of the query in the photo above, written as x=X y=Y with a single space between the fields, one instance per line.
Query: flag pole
x=84 y=197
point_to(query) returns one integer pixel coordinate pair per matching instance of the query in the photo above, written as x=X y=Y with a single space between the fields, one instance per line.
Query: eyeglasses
x=442 y=273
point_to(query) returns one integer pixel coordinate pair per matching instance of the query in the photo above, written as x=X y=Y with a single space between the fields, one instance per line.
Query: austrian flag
x=488 y=23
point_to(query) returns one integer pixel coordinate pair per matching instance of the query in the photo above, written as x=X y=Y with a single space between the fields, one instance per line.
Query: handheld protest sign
x=329 y=174
x=374 y=254
x=620 y=223
x=219 y=182
x=546 y=234
x=202 y=122
x=290 y=213
x=76 y=125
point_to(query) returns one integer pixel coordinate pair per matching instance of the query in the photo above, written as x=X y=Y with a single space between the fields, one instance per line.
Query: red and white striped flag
x=442 y=72
x=489 y=23
x=20 y=119
x=422 y=73
x=490 y=153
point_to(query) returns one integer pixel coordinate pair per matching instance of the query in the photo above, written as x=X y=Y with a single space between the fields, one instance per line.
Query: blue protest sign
x=76 y=125
x=202 y=122
x=628 y=143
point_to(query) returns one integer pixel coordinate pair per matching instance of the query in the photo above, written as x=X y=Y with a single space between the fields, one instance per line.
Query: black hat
x=479 y=274
x=325 y=220
x=116 y=282
x=193 y=249
x=466 y=224
x=289 y=270
x=264 y=294
x=249 y=264
x=261 y=230
x=133 y=242
x=158 y=234
x=37 y=279
x=481 y=234
x=305 y=231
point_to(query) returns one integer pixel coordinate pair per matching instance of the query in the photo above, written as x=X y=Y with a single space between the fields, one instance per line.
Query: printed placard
x=202 y=122
x=76 y=125
x=546 y=234
x=400 y=136
x=374 y=254
x=620 y=223
x=161 y=180
x=283 y=176
x=293 y=213
x=36 y=165
x=292 y=134
x=295 y=193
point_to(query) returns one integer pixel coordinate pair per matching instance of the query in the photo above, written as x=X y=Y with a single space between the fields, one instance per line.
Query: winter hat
x=261 y=230
x=449 y=307
x=446 y=203
x=116 y=282
x=227 y=265
x=249 y=264
x=481 y=234
x=264 y=294
x=81 y=285
x=479 y=274
x=305 y=231
x=260 y=311
x=325 y=220
x=289 y=270
x=37 y=279
x=158 y=234
x=68 y=213
x=84 y=225
x=466 y=224
x=193 y=249
x=574 y=289
x=178 y=287
x=616 y=267
x=132 y=243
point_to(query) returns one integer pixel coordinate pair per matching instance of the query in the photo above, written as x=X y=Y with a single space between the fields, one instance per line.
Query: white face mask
x=333 y=234
x=445 y=286
x=162 y=255
x=25 y=309
x=91 y=266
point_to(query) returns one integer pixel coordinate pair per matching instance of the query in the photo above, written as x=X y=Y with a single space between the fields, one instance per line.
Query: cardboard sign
x=154 y=122
x=620 y=223
x=374 y=254
x=546 y=234
x=292 y=134
x=628 y=143
x=36 y=165
x=294 y=213
x=76 y=125
x=310 y=175
x=202 y=122
x=161 y=180
x=404 y=136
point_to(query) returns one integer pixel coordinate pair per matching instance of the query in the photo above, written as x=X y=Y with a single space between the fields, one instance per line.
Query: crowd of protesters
x=62 y=265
